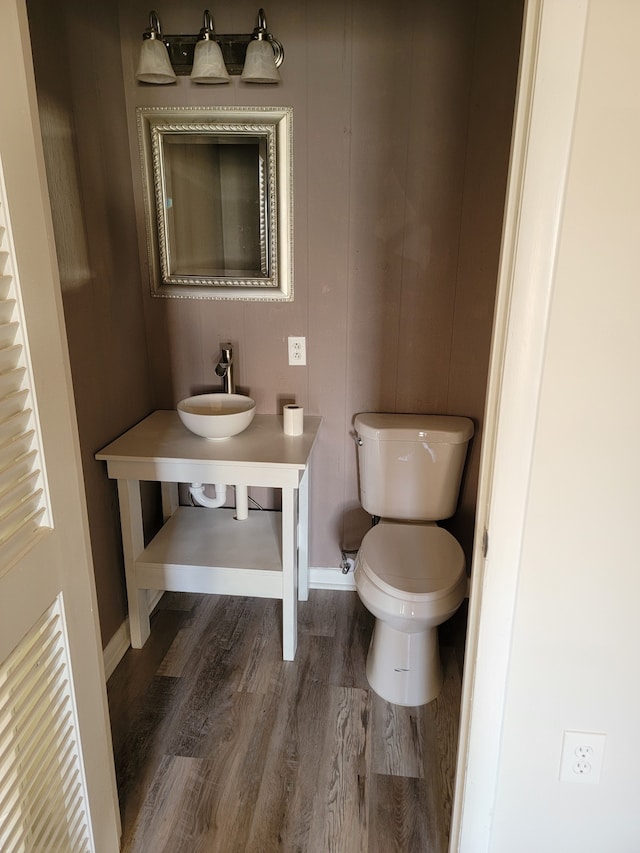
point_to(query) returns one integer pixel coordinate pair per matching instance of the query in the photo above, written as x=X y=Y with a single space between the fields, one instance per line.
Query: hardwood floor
x=221 y=745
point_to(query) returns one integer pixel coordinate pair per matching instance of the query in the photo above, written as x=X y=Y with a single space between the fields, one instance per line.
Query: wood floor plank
x=318 y=616
x=398 y=822
x=284 y=808
x=140 y=752
x=340 y=802
x=235 y=765
x=183 y=652
x=130 y=681
x=186 y=601
x=397 y=745
x=164 y=821
x=261 y=671
x=354 y=626
x=446 y=716
x=180 y=651
x=438 y=736
x=212 y=681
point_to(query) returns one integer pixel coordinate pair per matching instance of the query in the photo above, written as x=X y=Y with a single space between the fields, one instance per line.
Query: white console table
x=207 y=550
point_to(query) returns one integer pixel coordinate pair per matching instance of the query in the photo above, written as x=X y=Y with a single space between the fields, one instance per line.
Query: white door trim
x=550 y=65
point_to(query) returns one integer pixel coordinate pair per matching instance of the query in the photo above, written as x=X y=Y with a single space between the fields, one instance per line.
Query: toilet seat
x=416 y=562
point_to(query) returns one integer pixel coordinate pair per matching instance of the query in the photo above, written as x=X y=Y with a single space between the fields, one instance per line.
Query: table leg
x=303 y=537
x=133 y=545
x=289 y=576
x=170 y=499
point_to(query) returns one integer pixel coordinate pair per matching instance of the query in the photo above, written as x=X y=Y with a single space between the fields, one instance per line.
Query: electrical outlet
x=582 y=754
x=297 y=351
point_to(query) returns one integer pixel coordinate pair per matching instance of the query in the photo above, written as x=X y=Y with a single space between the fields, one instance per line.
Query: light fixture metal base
x=234 y=49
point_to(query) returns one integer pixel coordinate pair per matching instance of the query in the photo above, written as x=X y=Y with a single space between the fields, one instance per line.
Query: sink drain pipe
x=242 y=503
x=196 y=490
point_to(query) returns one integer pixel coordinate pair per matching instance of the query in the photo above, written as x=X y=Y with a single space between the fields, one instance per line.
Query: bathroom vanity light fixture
x=154 y=65
x=208 y=64
x=209 y=57
x=263 y=52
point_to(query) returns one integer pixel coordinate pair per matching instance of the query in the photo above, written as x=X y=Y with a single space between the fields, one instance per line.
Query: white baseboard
x=116 y=648
x=330 y=579
x=118 y=645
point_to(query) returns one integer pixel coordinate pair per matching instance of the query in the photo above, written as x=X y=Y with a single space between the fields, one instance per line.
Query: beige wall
x=81 y=105
x=402 y=115
x=495 y=68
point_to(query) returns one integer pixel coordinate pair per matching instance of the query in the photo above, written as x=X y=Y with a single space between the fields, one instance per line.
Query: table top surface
x=163 y=436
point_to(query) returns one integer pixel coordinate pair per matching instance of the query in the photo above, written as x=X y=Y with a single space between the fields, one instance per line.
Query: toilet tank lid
x=435 y=429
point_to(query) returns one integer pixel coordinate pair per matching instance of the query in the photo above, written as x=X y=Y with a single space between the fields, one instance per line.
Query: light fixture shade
x=154 y=65
x=260 y=63
x=208 y=64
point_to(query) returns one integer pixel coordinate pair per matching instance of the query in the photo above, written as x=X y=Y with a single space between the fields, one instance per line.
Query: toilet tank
x=411 y=466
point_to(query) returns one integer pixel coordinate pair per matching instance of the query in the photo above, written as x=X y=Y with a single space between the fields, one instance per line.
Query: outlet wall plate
x=581 y=758
x=297 y=348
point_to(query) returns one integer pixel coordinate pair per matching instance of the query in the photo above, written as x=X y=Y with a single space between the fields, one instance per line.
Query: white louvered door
x=57 y=782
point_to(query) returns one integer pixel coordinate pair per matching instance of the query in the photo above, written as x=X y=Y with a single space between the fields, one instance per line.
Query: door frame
x=548 y=87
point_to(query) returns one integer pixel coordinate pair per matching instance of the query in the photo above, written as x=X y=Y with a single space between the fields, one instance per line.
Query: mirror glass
x=217 y=186
x=216 y=205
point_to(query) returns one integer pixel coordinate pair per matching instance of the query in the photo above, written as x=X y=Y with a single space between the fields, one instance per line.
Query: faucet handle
x=227 y=352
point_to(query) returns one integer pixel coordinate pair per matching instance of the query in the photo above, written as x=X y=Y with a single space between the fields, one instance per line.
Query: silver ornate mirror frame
x=270 y=129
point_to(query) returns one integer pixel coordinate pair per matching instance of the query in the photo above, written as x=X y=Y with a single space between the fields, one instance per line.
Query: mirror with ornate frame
x=218 y=201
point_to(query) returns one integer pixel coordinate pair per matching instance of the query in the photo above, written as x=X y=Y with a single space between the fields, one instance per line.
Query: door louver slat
x=18 y=493
x=42 y=802
x=13 y=403
x=23 y=504
x=8 y=332
x=9 y=357
x=6 y=310
x=14 y=426
x=5 y=280
x=19 y=467
x=15 y=448
x=12 y=380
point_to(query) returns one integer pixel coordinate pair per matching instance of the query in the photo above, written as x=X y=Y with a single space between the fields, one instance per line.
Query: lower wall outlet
x=582 y=755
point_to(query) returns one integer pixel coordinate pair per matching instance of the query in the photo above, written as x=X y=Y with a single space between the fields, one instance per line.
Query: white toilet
x=409 y=573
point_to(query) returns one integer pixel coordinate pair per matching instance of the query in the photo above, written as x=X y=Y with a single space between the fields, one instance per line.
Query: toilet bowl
x=412 y=578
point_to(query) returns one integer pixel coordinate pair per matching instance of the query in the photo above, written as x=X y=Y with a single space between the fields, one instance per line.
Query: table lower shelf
x=208 y=551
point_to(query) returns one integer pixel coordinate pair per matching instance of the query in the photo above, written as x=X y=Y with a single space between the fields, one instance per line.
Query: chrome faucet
x=224 y=368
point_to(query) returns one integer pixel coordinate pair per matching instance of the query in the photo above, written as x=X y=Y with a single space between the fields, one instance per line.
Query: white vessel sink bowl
x=216 y=416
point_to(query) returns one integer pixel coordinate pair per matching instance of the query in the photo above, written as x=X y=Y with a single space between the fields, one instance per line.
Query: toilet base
x=404 y=668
